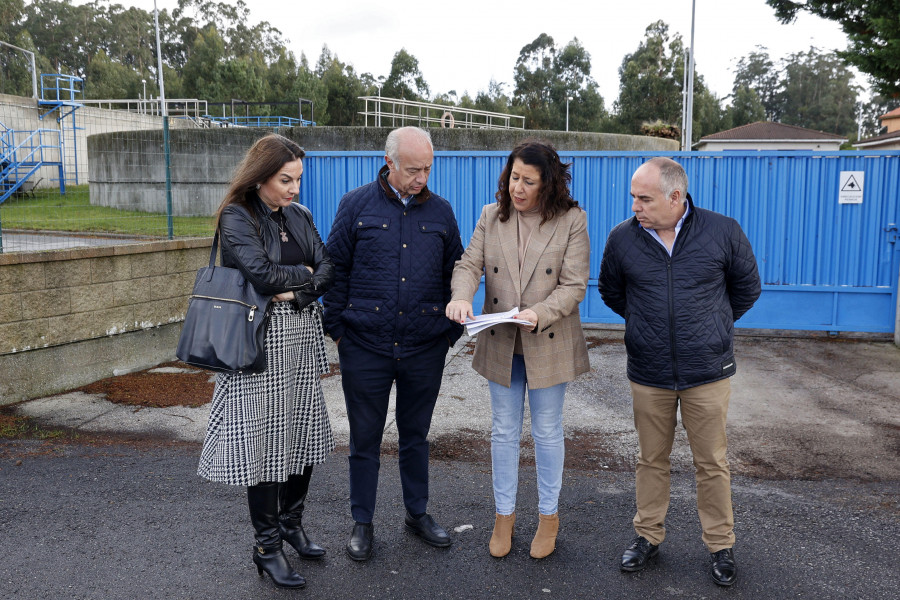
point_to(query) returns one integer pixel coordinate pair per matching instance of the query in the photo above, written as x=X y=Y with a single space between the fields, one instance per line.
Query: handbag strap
x=215 y=245
x=215 y=249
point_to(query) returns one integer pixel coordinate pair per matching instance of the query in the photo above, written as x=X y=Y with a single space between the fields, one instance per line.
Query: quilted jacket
x=393 y=266
x=251 y=243
x=680 y=311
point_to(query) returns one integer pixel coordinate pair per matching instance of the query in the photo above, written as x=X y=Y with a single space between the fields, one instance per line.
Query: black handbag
x=225 y=325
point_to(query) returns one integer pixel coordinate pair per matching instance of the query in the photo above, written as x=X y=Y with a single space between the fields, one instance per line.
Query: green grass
x=51 y=211
x=17 y=428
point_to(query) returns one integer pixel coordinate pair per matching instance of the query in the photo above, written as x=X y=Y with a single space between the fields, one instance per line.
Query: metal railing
x=56 y=87
x=395 y=112
x=177 y=107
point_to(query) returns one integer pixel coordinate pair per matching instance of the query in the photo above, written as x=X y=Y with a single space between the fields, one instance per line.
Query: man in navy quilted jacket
x=680 y=276
x=393 y=244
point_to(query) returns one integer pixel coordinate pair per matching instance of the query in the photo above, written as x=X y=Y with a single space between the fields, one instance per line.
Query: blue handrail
x=267 y=121
x=56 y=86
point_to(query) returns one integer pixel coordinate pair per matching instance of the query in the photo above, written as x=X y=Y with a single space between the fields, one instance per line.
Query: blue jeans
x=507 y=410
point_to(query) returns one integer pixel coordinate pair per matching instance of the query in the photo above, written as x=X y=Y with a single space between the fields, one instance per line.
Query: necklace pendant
x=284 y=236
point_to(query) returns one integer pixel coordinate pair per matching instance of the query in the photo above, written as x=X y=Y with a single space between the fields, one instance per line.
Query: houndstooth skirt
x=266 y=426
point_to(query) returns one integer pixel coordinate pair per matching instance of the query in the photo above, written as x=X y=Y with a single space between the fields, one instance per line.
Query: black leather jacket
x=252 y=245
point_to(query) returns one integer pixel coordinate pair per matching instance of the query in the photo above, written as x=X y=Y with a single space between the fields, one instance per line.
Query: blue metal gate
x=825 y=266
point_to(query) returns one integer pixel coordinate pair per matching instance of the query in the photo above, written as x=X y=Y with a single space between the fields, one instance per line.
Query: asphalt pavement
x=814 y=431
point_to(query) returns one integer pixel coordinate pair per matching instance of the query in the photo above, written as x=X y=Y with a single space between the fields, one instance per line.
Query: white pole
x=378 y=106
x=689 y=113
x=162 y=85
x=859 y=121
x=34 y=93
x=568 y=98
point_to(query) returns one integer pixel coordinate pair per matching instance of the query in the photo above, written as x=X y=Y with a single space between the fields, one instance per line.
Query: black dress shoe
x=361 y=540
x=428 y=530
x=638 y=552
x=724 y=570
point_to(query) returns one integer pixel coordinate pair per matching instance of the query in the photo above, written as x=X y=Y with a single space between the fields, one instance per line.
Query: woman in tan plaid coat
x=532 y=248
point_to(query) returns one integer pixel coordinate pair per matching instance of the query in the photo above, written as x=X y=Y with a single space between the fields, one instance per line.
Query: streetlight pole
x=687 y=122
x=165 y=119
x=34 y=93
x=144 y=97
x=568 y=99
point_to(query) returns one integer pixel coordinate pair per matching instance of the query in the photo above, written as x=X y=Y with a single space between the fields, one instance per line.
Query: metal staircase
x=24 y=153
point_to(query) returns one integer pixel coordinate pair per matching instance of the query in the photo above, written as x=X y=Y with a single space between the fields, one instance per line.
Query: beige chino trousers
x=703 y=412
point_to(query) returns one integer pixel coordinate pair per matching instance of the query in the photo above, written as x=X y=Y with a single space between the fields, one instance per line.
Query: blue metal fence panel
x=825 y=266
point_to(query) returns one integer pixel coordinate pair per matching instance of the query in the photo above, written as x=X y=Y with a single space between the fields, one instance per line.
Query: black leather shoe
x=361 y=541
x=425 y=527
x=636 y=555
x=724 y=570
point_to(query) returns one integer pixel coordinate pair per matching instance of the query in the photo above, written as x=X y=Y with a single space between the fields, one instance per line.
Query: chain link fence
x=75 y=175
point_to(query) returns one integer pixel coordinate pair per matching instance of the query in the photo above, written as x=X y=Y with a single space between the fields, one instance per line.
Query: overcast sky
x=461 y=45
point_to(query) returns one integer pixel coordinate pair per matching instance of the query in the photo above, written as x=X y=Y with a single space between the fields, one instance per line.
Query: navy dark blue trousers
x=367 y=378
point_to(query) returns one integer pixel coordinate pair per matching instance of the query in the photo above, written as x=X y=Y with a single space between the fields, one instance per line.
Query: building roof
x=879 y=139
x=894 y=114
x=768 y=130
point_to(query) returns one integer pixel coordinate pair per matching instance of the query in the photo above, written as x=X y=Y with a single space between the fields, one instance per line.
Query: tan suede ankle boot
x=544 y=542
x=501 y=539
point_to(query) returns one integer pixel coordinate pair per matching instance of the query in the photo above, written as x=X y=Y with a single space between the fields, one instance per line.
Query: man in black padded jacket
x=680 y=276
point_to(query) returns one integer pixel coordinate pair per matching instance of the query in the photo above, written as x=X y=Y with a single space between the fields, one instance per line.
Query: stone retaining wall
x=69 y=300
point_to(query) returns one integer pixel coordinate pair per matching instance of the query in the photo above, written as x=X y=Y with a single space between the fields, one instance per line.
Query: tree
x=342 y=89
x=873 y=30
x=132 y=39
x=405 y=79
x=109 y=79
x=746 y=107
x=757 y=72
x=493 y=100
x=810 y=89
x=818 y=93
x=68 y=35
x=545 y=76
x=651 y=81
x=534 y=74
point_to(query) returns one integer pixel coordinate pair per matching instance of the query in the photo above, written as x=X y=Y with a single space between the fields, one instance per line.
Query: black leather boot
x=267 y=555
x=293 y=495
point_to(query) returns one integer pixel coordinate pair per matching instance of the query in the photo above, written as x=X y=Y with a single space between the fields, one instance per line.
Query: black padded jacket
x=251 y=244
x=680 y=311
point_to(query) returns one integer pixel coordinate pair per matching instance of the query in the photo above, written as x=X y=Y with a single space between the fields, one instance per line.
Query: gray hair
x=671 y=177
x=392 y=145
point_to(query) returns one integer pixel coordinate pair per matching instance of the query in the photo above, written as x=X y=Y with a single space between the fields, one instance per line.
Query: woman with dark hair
x=267 y=430
x=532 y=248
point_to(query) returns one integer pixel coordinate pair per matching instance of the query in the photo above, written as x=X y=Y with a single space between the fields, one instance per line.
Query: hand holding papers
x=473 y=326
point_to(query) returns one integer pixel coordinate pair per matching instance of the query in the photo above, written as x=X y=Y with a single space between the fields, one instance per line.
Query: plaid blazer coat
x=551 y=282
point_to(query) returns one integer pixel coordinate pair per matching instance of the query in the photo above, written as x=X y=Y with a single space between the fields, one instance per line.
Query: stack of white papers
x=473 y=326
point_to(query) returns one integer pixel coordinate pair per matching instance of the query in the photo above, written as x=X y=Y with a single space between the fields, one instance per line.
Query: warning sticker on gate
x=850 y=190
